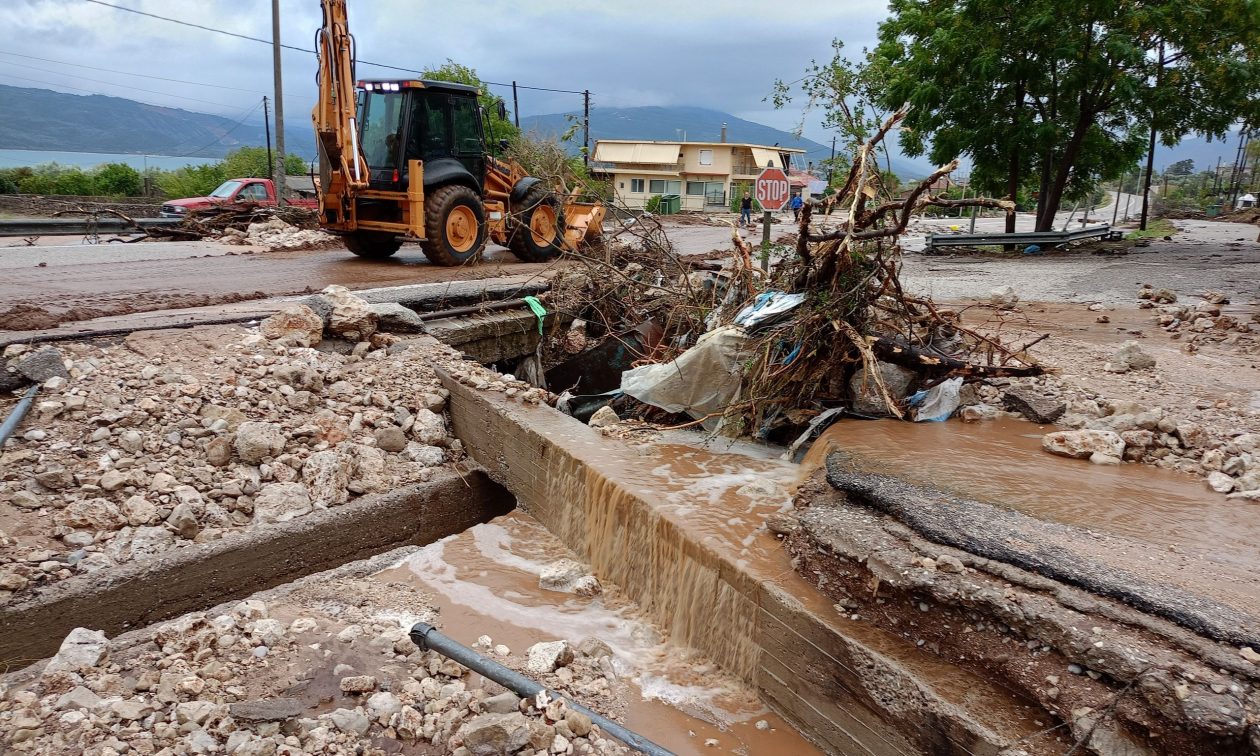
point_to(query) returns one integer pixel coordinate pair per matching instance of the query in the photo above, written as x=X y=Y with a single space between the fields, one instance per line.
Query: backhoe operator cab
x=431 y=178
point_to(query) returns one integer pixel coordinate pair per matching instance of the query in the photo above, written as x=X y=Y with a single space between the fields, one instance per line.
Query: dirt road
x=80 y=282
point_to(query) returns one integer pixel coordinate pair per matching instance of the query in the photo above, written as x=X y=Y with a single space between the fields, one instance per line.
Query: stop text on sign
x=772 y=189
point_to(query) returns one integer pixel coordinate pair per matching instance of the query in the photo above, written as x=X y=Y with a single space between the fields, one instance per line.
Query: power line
x=115 y=84
x=128 y=73
x=302 y=49
x=220 y=138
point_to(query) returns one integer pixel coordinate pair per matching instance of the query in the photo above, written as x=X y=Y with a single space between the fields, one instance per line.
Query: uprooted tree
x=853 y=312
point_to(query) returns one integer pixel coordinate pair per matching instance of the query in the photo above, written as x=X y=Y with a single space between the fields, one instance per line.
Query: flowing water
x=1001 y=462
x=485 y=582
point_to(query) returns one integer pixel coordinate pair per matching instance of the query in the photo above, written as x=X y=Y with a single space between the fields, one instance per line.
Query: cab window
x=467 y=134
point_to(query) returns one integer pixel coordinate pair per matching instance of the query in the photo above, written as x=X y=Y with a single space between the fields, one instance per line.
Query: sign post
x=772 y=191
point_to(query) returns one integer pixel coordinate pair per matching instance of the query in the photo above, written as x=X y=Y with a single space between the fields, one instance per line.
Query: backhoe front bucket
x=583 y=220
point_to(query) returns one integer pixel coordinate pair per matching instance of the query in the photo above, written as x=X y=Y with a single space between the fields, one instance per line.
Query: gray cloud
x=649 y=52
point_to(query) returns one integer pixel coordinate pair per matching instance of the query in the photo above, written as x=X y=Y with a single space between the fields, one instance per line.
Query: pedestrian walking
x=796 y=204
x=745 y=211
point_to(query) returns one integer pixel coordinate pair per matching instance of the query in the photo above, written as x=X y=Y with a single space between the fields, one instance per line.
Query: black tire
x=525 y=241
x=373 y=245
x=443 y=248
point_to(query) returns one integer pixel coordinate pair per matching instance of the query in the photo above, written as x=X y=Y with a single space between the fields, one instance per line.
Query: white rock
x=1003 y=296
x=351 y=317
x=545 y=658
x=281 y=502
x=428 y=428
x=326 y=474
x=603 y=417
x=255 y=441
x=351 y=721
x=78 y=698
x=1081 y=444
x=81 y=649
x=93 y=514
x=382 y=706
x=1220 y=482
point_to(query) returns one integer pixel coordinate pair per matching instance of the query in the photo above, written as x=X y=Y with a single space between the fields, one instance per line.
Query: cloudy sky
x=723 y=55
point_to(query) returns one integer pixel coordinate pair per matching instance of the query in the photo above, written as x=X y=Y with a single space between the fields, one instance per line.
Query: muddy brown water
x=1001 y=462
x=485 y=582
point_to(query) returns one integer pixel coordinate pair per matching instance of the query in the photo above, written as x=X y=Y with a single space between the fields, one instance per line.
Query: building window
x=636 y=186
x=695 y=187
x=706 y=158
x=661 y=186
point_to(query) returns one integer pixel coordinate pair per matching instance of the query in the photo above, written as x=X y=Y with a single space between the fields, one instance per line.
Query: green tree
x=192 y=180
x=846 y=95
x=118 y=180
x=8 y=182
x=1180 y=168
x=1068 y=91
x=251 y=162
x=500 y=128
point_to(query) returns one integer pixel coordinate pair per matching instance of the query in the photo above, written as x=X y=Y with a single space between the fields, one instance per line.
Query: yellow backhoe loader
x=406 y=159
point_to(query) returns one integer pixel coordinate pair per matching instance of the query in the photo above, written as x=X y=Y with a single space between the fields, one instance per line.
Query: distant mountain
x=699 y=125
x=41 y=119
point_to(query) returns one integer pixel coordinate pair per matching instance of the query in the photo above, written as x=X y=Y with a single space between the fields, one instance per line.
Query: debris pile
x=165 y=438
x=275 y=228
x=275 y=234
x=768 y=349
x=212 y=683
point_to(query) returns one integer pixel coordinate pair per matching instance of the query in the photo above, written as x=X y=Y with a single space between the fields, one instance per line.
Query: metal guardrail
x=1048 y=238
x=78 y=226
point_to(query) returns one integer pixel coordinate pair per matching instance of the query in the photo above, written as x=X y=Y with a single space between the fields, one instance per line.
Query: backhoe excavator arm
x=343 y=171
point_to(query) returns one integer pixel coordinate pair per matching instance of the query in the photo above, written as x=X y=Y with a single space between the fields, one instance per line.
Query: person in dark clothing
x=745 y=210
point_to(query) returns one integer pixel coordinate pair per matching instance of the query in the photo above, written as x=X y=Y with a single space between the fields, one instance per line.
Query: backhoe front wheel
x=537 y=233
x=374 y=245
x=454 y=226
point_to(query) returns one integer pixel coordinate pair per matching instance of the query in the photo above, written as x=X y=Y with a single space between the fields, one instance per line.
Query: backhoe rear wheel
x=455 y=226
x=374 y=245
x=537 y=233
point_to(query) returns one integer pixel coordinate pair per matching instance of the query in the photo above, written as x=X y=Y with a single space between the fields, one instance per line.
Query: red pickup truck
x=246 y=191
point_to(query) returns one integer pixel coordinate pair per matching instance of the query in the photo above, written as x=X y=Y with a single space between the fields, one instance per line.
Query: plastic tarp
x=938 y=403
x=702 y=381
x=768 y=308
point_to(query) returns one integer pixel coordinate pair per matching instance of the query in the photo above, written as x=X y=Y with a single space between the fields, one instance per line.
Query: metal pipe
x=428 y=637
x=19 y=412
x=477 y=309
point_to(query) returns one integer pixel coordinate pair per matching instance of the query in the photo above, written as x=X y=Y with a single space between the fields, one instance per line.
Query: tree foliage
x=1064 y=93
x=251 y=162
x=500 y=128
x=118 y=180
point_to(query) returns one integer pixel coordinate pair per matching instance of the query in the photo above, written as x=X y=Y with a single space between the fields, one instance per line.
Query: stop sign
x=772 y=189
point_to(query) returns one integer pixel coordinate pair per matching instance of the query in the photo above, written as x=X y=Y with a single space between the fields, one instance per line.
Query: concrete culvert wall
x=850 y=691
x=193 y=578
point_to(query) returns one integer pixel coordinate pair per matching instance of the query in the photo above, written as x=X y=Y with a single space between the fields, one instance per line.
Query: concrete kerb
x=871 y=702
x=239 y=564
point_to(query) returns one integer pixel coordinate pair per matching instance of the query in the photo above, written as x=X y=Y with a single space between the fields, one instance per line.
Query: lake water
x=86 y=160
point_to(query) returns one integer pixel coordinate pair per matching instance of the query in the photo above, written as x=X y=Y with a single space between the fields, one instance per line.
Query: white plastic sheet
x=702 y=381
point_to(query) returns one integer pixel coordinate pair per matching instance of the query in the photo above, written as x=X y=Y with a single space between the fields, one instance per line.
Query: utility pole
x=267 y=130
x=1150 y=152
x=831 y=166
x=586 y=127
x=516 y=107
x=277 y=174
x=1119 y=191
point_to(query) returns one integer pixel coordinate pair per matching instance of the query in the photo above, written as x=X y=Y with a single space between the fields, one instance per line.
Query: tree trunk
x=1013 y=174
x=1054 y=196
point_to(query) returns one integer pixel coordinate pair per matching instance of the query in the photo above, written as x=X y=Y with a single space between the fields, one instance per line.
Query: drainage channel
x=485 y=581
x=680 y=529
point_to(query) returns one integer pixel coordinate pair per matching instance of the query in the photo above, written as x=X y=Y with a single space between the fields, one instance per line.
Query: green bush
x=653 y=204
x=192 y=180
x=118 y=180
x=7 y=184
